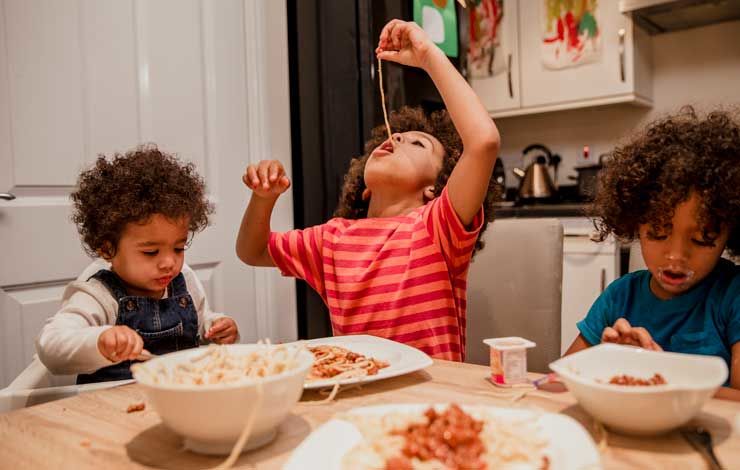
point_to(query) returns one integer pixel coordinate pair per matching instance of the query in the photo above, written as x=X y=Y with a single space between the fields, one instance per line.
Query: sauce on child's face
x=410 y=164
x=679 y=257
x=151 y=254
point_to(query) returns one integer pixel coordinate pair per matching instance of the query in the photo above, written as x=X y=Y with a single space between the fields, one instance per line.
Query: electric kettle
x=535 y=181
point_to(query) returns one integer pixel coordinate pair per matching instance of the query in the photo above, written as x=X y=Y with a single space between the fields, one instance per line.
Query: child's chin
x=676 y=289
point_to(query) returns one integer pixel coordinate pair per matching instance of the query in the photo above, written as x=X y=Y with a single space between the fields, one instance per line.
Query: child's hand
x=405 y=43
x=624 y=333
x=267 y=179
x=120 y=343
x=222 y=331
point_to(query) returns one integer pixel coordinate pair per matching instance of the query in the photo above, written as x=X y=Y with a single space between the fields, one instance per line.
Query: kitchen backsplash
x=694 y=67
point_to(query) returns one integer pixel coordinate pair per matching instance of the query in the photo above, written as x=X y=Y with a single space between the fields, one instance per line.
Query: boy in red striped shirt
x=394 y=261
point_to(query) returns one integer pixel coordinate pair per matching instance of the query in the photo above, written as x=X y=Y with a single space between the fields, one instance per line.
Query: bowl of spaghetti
x=221 y=397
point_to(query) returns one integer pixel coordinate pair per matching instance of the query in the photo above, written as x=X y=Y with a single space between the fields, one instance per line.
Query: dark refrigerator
x=335 y=102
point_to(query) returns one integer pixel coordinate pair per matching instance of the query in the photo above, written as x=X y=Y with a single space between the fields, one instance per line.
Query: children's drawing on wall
x=485 y=56
x=439 y=19
x=571 y=33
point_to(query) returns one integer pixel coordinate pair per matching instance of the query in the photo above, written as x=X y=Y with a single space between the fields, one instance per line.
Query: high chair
x=36 y=385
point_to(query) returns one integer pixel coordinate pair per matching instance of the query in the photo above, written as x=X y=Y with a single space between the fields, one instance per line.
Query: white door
x=501 y=92
x=84 y=77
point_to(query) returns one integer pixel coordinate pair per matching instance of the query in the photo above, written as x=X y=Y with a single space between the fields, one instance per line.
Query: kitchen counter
x=569 y=209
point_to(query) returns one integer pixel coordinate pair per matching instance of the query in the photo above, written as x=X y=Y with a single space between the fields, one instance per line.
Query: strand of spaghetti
x=237 y=449
x=382 y=98
x=603 y=436
x=334 y=392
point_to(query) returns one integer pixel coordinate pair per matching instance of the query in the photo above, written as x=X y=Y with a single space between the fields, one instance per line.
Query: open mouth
x=675 y=276
x=386 y=148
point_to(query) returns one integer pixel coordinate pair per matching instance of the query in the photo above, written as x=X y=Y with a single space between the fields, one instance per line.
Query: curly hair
x=662 y=166
x=352 y=206
x=132 y=188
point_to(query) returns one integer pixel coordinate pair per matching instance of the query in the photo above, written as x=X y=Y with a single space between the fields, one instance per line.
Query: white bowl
x=211 y=417
x=641 y=410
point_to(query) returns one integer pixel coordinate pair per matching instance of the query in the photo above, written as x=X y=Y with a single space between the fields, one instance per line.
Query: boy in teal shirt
x=676 y=188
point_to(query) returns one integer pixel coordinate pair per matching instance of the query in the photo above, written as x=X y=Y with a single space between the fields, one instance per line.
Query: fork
x=701 y=440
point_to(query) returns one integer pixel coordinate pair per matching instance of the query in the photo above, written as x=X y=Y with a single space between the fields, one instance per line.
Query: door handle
x=602 y=285
x=508 y=76
x=621 y=33
x=7 y=196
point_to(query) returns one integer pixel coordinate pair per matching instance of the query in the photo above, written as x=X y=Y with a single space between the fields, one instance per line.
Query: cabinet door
x=500 y=91
x=585 y=276
x=607 y=76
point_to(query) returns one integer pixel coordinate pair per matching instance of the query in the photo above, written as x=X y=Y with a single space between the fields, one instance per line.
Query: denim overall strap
x=112 y=282
x=165 y=325
x=177 y=286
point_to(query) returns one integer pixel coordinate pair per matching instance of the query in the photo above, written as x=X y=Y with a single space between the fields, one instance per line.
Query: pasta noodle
x=335 y=362
x=216 y=365
x=382 y=99
x=244 y=436
x=507 y=442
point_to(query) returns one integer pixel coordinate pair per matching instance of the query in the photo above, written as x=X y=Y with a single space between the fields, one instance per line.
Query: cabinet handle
x=508 y=76
x=621 y=34
x=603 y=279
x=7 y=196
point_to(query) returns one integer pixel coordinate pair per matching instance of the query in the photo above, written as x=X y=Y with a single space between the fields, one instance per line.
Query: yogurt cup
x=509 y=359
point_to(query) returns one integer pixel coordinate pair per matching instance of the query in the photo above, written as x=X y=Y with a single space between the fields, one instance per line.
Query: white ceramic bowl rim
x=304 y=358
x=562 y=367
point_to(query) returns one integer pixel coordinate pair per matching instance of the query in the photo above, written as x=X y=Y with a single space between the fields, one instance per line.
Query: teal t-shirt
x=704 y=320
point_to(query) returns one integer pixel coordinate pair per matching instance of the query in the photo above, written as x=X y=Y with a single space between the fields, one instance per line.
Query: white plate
x=402 y=359
x=570 y=446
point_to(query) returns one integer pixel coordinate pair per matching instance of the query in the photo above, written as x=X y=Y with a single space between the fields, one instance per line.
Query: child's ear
x=429 y=193
x=366 y=194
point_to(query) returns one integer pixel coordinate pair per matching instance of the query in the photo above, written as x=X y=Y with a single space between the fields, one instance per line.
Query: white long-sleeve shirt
x=68 y=342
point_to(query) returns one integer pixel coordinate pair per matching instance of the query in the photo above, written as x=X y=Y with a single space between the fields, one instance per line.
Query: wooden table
x=94 y=431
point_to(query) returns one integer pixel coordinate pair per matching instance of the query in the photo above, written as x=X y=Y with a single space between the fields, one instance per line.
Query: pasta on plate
x=446 y=438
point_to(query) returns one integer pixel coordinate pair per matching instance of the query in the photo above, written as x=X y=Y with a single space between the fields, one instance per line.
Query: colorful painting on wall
x=571 y=33
x=439 y=19
x=485 y=58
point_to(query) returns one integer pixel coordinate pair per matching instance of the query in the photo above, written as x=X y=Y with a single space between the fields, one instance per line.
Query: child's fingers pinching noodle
x=624 y=333
x=222 y=331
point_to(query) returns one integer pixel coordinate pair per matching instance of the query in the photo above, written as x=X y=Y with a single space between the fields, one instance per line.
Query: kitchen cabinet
x=588 y=267
x=500 y=92
x=619 y=73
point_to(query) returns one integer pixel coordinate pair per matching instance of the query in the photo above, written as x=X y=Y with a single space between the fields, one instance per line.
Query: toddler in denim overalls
x=137 y=213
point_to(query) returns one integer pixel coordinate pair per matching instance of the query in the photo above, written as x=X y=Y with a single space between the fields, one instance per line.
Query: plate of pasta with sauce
x=447 y=436
x=346 y=360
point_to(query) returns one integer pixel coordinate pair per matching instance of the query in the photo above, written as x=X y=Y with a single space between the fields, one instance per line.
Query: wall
x=699 y=66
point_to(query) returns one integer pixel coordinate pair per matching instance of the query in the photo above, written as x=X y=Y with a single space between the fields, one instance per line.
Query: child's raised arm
x=268 y=181
x=406 y=43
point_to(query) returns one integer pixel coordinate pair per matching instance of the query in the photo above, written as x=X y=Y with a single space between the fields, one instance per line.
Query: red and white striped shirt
x=403 y=278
